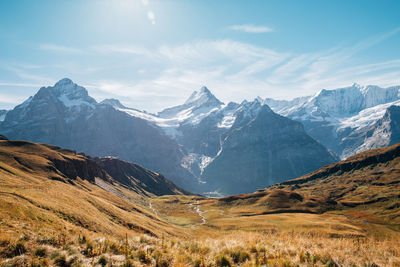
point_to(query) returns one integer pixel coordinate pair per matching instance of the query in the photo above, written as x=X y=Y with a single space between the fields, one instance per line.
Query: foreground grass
x=224 y=240
x=48 y=220
x=233 y=249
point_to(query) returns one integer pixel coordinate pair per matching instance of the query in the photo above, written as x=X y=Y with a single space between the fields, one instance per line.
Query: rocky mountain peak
x=203 y=96
x=63 y=82
x=71 y=90
x=113 y=102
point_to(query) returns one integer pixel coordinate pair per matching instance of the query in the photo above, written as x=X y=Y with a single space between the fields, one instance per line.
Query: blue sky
x=153 y=54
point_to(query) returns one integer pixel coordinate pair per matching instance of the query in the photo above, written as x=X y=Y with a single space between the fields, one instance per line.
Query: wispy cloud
x=250 y=28
x=60 y=49
x=11 y=84
x=155 y=78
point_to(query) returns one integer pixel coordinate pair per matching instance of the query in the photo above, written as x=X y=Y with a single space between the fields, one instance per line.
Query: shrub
x=162 y=260
x=38 y=263
x=61 y=261
x=222 y=261
x=40 y=252
x=143 y=256
x=53 y=241
x=82 y=239
x=88 y=251
x=128 y=263
x=75 y=262
x=253 y=249
x=4 y=242
x=239 y=256
x=102 y=261
x=197 y=263
x=15 y=249
x=54 y=254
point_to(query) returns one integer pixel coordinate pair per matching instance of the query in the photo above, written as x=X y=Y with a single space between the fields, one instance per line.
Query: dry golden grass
x=225 y=248
x=56 y=222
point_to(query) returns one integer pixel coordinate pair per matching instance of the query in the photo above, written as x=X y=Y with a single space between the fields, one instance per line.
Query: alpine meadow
x=199 y=133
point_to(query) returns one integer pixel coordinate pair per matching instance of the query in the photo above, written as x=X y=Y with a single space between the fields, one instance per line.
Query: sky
x=153 y=54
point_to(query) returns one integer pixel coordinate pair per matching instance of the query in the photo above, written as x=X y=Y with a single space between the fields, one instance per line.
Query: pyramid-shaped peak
x=203 y=96
x=205 y=90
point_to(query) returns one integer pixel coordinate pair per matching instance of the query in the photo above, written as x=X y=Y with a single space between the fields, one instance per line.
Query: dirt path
x=196 y=208
x=152 y=208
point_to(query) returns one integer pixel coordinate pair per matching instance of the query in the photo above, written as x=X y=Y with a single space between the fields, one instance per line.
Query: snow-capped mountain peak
x=70 y=89
x=200 y=102
x=71 y=94
x=64 y=92
x=202 y=97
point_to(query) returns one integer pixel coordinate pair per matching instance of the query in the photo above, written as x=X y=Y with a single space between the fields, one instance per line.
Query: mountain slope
x=65 y=115
x=341 y=118
x=363 y=186
x=137 y=178
x=263 y=151
x=59 y=187
x=179 y=142
x=3 y=113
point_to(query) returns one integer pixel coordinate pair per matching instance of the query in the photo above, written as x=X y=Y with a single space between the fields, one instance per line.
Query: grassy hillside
x=59 y=208
x=49 y=194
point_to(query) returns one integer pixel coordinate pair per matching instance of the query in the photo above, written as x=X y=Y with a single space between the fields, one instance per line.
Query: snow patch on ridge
x=366 y=117
x=69 y=103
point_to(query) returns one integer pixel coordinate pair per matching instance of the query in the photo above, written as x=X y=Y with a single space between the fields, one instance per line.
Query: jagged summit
x=199 y=102
x=70 y=89
x=113 y=102
x=67 y=92
x=203 y=96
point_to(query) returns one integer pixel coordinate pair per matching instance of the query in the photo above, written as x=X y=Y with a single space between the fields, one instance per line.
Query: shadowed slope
x=44 y=185
x=366 y=185
x=139 y=178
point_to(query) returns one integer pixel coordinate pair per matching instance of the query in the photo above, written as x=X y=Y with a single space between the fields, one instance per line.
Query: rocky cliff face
x=343 y=119
x=181 y=142
x=66 y=116
x=263 y=151
x=55 y=163
x=3 y=113
x=138 y=178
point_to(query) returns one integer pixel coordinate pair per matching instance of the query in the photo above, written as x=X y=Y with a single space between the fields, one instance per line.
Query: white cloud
x=11 y=99
x=249 y=28
x=155 y=78
x=11 y=84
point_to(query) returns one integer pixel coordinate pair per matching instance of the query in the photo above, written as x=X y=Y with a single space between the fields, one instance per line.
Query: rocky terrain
x=346 y=120
x=65 y=115
x=188 y=143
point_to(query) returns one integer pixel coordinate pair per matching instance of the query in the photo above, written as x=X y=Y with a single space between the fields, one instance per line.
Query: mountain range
x=347 y=120
x=189 y=143
x=205 y=145
x=63 y=208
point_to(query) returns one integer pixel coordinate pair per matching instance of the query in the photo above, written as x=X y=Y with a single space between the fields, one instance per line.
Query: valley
x=170 y=133
x=344 y=214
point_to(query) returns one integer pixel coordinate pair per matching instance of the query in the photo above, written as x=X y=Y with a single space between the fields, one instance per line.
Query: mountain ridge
x=181 y=143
